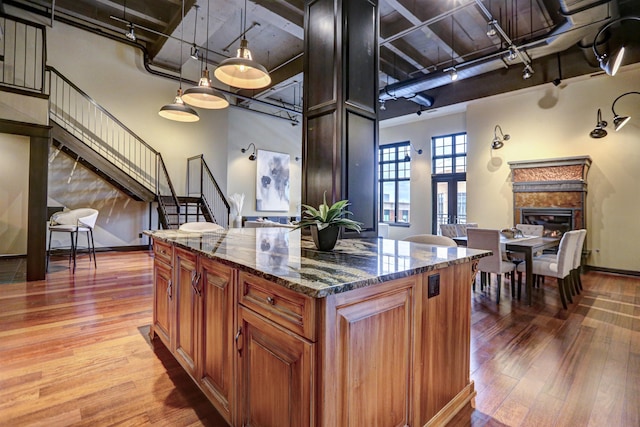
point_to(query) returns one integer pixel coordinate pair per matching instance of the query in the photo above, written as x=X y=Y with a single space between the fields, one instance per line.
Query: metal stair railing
x=82 y=117
x=201 y=183
x=22 y=54
x=168 y=204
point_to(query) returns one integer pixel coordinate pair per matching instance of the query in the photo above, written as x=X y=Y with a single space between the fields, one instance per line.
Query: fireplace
x=555 y=221
x=551 y=192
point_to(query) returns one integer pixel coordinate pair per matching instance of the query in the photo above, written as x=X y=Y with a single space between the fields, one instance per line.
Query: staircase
x=96 y=139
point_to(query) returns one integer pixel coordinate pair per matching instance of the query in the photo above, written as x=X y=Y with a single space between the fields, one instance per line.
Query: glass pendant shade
x=242 y=71
x=205 y=96
x=178 y=111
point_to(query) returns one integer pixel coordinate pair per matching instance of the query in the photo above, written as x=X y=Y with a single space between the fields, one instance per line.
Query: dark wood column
x=340 y=149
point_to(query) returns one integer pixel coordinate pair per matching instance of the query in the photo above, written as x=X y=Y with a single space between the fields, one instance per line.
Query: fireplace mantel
x=559 y=183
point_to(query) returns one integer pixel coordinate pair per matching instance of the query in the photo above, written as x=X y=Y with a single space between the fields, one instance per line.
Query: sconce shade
x=242 y=71
x=610 y=61
x=205 y=96
x=498 y=141
x=178 y=111
x=620 y=121
x=252 y=156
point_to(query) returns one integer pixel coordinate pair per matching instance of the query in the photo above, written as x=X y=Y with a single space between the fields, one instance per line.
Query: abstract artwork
x=272 y=181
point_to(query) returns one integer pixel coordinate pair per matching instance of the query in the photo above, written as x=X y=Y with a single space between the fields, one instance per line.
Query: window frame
x=405 y=147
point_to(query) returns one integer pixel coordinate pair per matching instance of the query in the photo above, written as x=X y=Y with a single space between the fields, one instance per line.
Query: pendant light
x=203 y=95
x=178 y=111
x=242 y=71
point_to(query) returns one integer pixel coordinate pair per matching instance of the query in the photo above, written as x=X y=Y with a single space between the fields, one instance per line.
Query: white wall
x=549 y=122
x=419 y=132
x=267 y=133
x=14 y=193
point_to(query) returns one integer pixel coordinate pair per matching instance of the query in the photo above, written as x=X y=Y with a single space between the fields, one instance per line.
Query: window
x=449 y=180
x=394 y=183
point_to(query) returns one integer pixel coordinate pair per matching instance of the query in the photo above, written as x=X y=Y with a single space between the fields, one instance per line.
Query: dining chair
x=449 y=230
x=577 y=261
x=482 y=238
x=560 y=267
x=534 y=230
x=461 y=229
x=74 y=222
x=431 y=239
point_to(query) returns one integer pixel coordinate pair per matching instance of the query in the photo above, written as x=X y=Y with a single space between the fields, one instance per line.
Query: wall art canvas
x=272 y=181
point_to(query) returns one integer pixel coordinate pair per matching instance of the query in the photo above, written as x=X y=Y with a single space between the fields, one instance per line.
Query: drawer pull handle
x=271 y=301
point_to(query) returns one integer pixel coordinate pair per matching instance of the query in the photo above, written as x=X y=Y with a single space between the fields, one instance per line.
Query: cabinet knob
x=271 y=301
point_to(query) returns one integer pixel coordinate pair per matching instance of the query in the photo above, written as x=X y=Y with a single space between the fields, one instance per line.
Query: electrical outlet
x=139 y=235
x=434 y=285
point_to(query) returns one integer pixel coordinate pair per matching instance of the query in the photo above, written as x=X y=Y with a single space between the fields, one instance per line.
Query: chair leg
x=566 y=281
x=93 y=248
x=46 y=269
x=75 y=248
x=499 y=282
x=561 y=292
x=519 y=284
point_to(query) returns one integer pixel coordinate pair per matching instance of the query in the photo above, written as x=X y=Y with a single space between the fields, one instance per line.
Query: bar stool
x=74 y=222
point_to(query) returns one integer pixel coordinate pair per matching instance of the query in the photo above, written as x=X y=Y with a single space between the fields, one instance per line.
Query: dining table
x=527 y=245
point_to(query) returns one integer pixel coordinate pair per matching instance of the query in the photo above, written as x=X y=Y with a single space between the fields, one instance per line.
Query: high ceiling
x=420 y=42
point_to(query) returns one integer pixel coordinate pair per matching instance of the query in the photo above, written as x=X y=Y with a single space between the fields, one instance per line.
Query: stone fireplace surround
x=551 y=189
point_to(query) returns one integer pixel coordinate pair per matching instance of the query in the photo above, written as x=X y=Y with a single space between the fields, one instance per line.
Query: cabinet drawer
x=283 y=306
x=162 y=251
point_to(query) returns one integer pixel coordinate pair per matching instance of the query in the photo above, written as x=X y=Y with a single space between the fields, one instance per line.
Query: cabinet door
x=187 y=294
x=368 y=371
x=275 y=374
x=162 y=302
x=216 y=369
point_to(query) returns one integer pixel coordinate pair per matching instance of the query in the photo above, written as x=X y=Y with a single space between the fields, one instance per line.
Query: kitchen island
x=276 y=333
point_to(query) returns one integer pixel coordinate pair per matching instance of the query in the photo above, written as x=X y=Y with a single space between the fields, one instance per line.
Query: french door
x=449 y=200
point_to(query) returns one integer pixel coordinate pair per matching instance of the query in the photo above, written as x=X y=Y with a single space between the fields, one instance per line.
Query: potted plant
x=325 y=222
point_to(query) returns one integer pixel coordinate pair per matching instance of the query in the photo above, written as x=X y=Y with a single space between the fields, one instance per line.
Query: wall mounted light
x=498 y=141
x=407 y=157
x=252 y=156
x=598 y=131
x=620 y=121
x=610 y=61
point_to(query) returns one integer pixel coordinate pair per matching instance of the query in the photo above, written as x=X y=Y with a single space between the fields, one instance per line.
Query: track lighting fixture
x=610 y=61
x=512 y=55
x=491 y=29
x=252 y=156
x=177 y=111
x=498 y=141
x=598 y=131
x=382 y=106
x=242 y=71
x=131 y=34
x=453 y=74
x=204 y=95
x=527 y=72
x=195 y=52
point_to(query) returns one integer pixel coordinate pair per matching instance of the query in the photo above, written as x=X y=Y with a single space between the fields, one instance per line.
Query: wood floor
x=74 y=351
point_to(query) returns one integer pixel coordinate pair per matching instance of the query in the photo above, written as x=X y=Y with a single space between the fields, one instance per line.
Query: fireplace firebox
x=555 y=221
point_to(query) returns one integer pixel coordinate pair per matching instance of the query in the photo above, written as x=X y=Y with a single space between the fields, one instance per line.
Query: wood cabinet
x=215 y=372
x=188 y=305
x=162 y=325
x=275 y=374
x=388 y=354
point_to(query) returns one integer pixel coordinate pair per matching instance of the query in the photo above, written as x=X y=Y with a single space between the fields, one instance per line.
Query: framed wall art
x=272 y=181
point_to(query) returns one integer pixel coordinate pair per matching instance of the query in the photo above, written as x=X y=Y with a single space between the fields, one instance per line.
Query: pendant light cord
x=206 y=53
x=181 y=35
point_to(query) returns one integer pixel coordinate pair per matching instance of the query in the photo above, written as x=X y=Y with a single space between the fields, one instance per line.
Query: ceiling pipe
x=577 y=26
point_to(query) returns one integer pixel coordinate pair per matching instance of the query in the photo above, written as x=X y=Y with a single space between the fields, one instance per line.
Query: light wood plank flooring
x=74 y=351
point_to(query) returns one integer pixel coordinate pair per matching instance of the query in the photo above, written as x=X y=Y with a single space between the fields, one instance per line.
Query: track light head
x=131 y=35
x=527 y=72
x=195 y=52
x=491 y=29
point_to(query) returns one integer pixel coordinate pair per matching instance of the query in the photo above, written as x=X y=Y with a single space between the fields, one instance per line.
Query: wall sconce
x=618 y=120
x=599 y=131
x=252 y=156
x=498 y=141
x=407 y=157
x=610 y=62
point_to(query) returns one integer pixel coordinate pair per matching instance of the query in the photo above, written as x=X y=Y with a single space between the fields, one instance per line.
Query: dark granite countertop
x=291 y=260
